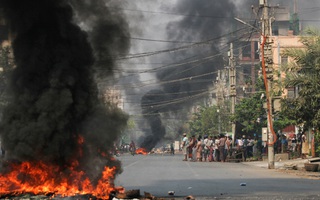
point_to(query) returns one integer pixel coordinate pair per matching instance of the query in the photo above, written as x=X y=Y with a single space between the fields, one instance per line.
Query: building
x=280 y=43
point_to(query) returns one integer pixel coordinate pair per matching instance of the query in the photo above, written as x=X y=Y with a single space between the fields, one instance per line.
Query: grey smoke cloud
x=193 y=76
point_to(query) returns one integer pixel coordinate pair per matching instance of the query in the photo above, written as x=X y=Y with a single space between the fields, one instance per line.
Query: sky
x=150 y=20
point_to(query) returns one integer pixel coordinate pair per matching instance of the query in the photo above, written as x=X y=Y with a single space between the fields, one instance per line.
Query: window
x=291 y=93
x=275 y=30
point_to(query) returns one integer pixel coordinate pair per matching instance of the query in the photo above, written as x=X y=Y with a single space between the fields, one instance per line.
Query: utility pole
x=232 y=83
x=220 y=96
x=267 y=62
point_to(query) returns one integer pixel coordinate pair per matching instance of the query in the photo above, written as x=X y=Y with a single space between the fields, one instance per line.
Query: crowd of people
x=295 y=143
x=218 y=148
x=207 y=148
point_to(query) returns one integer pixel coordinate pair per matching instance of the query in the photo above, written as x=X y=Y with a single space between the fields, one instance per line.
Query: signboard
x=264 y=134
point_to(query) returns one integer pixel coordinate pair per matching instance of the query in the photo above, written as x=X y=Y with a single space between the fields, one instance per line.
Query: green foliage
x=206 y=120
x=304 y=74
x=317 y=142
x=250 y=112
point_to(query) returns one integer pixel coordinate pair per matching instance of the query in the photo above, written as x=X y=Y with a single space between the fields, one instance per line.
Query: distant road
x=158 y=174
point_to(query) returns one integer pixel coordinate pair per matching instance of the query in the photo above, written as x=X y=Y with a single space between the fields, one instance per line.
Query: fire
x=39 y=178
x=142 y=151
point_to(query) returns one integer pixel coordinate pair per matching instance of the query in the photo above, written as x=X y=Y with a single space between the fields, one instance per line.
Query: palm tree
x=304 y=74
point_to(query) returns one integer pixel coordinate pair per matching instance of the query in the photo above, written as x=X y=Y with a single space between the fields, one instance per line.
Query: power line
x=200 y=61
x=173 y=14
x=197 y=44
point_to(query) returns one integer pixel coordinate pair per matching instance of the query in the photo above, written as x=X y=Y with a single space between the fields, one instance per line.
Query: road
x=158 y=174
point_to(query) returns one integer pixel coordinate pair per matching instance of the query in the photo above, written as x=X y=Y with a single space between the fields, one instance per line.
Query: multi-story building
x=285 y=28
x=280 y=43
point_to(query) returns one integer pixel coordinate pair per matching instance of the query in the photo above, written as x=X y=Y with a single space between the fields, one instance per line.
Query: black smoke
x=152 y=113
x=54 y=97
x=108 y=31
x=183 y=84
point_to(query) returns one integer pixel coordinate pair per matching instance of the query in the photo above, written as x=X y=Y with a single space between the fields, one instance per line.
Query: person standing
x=191 y=148
x=184 y=145
x=255 y=147
x=199 y=149
x=211 y=150
x=221 y=146
x=207 y=145
x=216 y=149
x=132 y=148
x=284 y=144
x=239 y=143
x=172 y=148
x=293 y=143
x=305 y=146
x=249 y=147
x=228 y=146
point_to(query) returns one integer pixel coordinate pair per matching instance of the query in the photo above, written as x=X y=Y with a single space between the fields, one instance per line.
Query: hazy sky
x=149 y=22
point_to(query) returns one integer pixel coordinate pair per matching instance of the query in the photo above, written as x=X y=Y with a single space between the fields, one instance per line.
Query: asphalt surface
x=160 y=174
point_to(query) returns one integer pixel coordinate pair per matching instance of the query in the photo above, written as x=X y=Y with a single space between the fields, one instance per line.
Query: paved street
x=158 y=174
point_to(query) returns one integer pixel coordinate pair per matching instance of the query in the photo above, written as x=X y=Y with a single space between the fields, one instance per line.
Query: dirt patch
x=301 y=173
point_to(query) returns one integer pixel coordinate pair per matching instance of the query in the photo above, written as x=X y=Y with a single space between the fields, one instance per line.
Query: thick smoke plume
x=192 y=78
x=153 y=116
x=108 y=31
x=54 y=98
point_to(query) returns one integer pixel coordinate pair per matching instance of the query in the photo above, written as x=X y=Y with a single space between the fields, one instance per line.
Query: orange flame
x=43 y=179
x=142 y=151
x=40 y=178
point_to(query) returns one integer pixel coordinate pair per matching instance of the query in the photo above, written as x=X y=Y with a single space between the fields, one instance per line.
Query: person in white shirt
x=184 y=146
x=207 y=145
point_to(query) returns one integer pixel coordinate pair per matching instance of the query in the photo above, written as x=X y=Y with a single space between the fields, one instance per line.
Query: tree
x=250 y=112
x=304 y=74
x=252 y=115
x=206 y=120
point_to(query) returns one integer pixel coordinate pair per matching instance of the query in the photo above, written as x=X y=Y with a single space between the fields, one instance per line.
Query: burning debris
x=39 y=178
x=142 y=151
x=56 y=132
